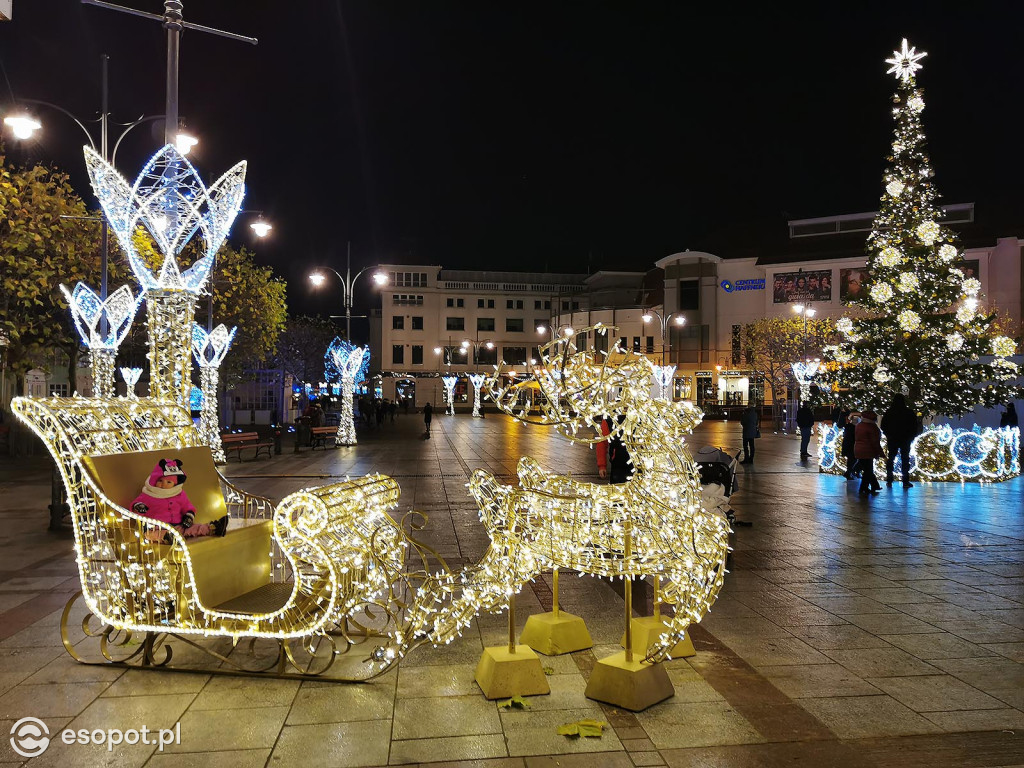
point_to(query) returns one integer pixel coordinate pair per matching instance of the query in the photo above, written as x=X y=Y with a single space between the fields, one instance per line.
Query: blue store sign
x=755 y=284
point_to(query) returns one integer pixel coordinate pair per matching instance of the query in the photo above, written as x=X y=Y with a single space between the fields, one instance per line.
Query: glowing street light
x=347 y=284
x=261 y=228
x=184 y=142
x=22 y=126
x=650 y=314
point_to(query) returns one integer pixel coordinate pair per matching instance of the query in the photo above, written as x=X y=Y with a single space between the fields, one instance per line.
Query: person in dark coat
x=428 y=415
x=846 y=449
x=750 y=421
x=805 y=420
x=867 y=447
x=1009 y=419
x=899 y=424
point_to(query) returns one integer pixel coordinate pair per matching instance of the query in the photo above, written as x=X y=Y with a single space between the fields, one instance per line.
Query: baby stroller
x=718 y=478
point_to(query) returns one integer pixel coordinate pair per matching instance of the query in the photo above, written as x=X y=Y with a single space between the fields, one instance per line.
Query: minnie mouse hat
x=167 y=468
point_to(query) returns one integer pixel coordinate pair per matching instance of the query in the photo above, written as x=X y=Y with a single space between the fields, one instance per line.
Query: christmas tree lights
x=922 y=328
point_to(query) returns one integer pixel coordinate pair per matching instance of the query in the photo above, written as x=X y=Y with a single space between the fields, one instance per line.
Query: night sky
x=537 y=135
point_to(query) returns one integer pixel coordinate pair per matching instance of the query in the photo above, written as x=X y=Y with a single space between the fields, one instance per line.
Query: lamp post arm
x=79 y=123
x=134 y=124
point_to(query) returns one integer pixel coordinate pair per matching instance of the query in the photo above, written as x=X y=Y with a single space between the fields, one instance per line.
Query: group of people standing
x=862 y=443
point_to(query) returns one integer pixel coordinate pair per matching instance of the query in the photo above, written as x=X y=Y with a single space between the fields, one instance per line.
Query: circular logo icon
x=30 y=737
x=727 y=286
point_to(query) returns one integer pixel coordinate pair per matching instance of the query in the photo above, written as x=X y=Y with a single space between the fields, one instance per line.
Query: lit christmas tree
x=922 y=329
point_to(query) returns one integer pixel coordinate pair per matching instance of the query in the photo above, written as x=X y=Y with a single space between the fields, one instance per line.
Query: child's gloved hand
x=139 y=508
x=187 y=520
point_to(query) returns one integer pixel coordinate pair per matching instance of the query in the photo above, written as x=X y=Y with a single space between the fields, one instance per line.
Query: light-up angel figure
x=477 y=380
x=804 y=374
x=131 y=377
x=88 y=312
x=209 y=350
x=171 y=203
x=449 y=390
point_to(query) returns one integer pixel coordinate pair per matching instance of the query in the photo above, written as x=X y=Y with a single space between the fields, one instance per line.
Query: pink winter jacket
x=169 y=510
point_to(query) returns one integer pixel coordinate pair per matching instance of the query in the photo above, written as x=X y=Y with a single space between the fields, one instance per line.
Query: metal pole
x=628 y=592
x=512 y=624
x=554 y=592
x=104 y=235
x=172 y=23
x=348 y=291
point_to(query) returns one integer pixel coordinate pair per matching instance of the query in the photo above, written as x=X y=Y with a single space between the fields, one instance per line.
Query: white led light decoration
x=131 y=378
x=663 y=375
x=209 y=350
x=347 y=361
x=940 y=453
x=449 y=390
x=88 y=310
x=905 y=62
x=804 y=372
x=477 y=379
x=172 y=203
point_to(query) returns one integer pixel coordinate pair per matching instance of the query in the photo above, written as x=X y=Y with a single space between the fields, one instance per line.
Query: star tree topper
x=904 y=63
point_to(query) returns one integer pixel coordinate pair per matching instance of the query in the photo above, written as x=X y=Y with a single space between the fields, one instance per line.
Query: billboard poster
x=789 y=287
x=852 y=283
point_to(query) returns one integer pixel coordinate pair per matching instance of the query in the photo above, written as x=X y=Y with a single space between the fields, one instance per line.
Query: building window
x=406 y=298
x=689 y=294
x=490 y=303
x=565 y=306
x=417 y=354
x=480 y=303
x=514 y=324
x=397 y=354
x=636 y=343
x=455 y=324
x=600 y=342
x=485 y=356
x=456 y=302
x=417 y=323
x=537 y=304
x=575 y=306
x=397 y=322
x=449 y=302
x=514 y=304
x=60 y=390
x=650 y=344
x=485 y=323
x=408 y=279
x=534 y=355
x=515 y=355
x=547 y=305
x=623 y=343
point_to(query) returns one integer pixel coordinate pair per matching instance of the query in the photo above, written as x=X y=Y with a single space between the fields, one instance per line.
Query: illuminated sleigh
x=315 y=576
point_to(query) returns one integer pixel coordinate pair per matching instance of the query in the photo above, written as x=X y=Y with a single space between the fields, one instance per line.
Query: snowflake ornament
x=964 y=314
x=890 y=257
x=928 y=232
x=1003 y=346
x=971 y=286
x=909 y=320
x=915 y=103
x=845 y=326
x=908 y=282
x=882 y=293
x=894 y=188
x=955 y=342
x=947 y=252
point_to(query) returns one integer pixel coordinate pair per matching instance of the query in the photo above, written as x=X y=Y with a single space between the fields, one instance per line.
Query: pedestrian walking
x=805 y=420
x=428 y=415
x=750 y=420
x=868 y=447
x=900 y=426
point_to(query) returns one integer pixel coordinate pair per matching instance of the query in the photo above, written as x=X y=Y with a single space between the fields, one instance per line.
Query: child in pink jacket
x=163 y=498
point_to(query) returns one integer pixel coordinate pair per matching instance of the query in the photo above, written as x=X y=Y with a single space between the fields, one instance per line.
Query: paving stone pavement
x=855 y=632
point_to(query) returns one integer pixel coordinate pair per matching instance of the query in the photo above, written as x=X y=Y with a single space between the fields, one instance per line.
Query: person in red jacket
x=612 y=457
x=867 y=447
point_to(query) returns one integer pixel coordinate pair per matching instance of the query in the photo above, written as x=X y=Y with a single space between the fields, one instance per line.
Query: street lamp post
x=650 y=314
x=347 y=284
x=806 y=311
x=476 y=379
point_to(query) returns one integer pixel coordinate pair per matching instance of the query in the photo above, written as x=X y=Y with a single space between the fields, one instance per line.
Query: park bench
x=239 y=441
x=321 y=436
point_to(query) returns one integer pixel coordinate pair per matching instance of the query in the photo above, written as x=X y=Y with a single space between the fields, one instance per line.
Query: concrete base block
x=554 y=634
x=501 y=674
x=647 y=630
x=631 y=685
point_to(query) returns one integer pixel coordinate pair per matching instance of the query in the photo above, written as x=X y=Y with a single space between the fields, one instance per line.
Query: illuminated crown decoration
x=88 y=309
x=172 y=203
x=338 y=352
x=449 y=388
x=209 y=349
x=663 y=375
x=131 y=377
x=805 y=373
x=347 y=361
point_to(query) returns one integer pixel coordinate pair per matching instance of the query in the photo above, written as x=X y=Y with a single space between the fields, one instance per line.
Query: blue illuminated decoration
x=172 y=203
x=195 y=399
x=88 y=310
x=943 y=453
x=338 y=352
